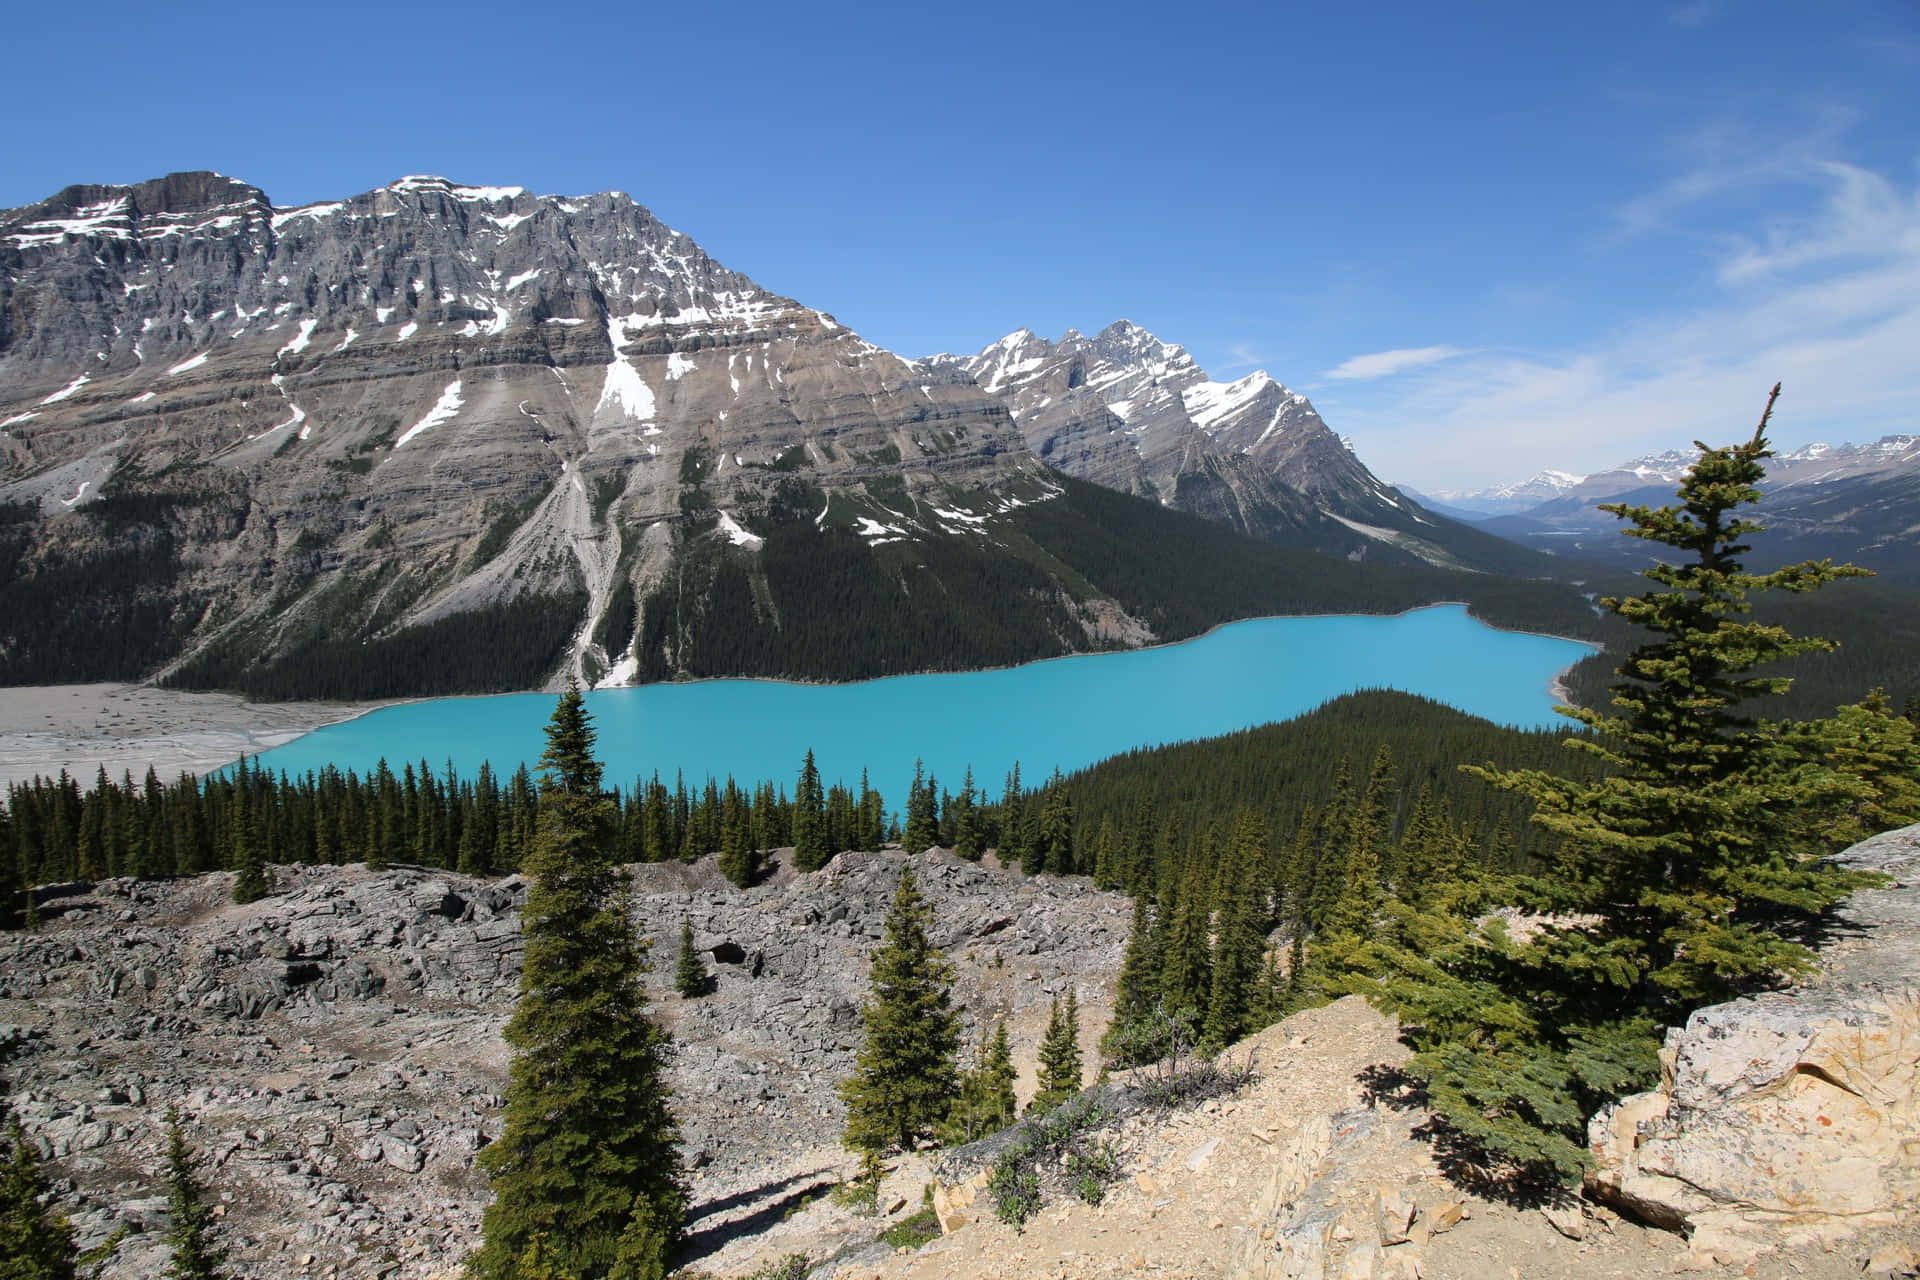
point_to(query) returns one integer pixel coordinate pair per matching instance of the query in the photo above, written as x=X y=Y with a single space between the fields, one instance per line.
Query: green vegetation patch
x=494 y=649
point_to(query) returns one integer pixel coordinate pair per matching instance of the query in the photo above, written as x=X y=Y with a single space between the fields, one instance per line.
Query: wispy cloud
x=1697 y=14
x=1384 y=364
x=1822 y=292
x=1242 y=355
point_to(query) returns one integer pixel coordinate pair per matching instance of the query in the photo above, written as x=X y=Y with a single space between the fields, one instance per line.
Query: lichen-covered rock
x=1795 y=1113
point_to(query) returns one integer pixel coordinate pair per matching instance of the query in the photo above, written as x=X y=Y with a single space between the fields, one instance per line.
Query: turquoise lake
x=1066 y=712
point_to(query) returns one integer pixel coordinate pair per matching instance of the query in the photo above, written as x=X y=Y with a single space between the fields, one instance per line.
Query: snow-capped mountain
x=1127 y=410
x=1858 y=502
x=351 y=418
x=1542 y=486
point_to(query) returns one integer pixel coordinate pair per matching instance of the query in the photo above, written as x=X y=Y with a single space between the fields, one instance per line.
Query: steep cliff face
x=1129 y=411
x=334 y=422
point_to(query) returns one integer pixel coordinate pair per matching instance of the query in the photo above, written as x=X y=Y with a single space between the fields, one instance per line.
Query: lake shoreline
x=128 y=728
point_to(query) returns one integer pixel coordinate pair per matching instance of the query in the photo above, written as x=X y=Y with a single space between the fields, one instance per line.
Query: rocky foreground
x=335 y=1048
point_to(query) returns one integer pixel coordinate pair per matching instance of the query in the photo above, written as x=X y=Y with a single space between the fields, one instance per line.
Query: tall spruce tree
x=810 y=850
x=1055 y=846
x=690 y=976
x=586 y=1169
x=903 y=1079
x=1128 y=1041
x=1678 y=849
x=922 y=827
x=1059 y=1056
x=189 y=1218
x=36 y=1240
x=1240 y=936
x=1671 y=871
x=969 y=832
x=739 y=858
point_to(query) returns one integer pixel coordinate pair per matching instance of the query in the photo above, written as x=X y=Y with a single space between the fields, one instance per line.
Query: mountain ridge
x=1855 y=502
x=1133 y=412
x=490 y=439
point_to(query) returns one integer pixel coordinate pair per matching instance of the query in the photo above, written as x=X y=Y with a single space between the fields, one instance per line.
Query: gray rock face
x=352 y=395
x=1789 y=1115
x=335 y=1048
x=1131 y=412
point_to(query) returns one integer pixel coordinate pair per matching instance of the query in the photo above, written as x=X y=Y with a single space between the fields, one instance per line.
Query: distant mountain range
x=1855 y=502
x=436 y=437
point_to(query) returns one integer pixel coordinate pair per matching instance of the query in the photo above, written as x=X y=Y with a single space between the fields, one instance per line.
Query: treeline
x=1124 y=821
x=52 y=831
x=1284 y=773
x=497 y=648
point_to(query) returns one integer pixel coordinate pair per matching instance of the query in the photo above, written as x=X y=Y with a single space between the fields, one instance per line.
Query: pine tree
x=903 y=1080
x=922 y=827
x=969 y=834
x=1055 y=850
x=1353 y=910
x=36 y=1240
x=1239 y=943
x=986 y=1103
x=690 y=976
x=587 y=1158
x=873 y=816
x=1059 y=1056
x=247 y=859
x=1430 y=855
x=1676 y=849
x=1671 y=868
x=1330 y=845
x=1136 y=995
x=810 y=851
x=1010 y=845
x=739 y=858
x=189 y=1220
x=1186 y=978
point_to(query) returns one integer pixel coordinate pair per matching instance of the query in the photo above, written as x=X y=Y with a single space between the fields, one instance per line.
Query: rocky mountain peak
x=393 y=373
x=1127 y=345
x=1131 y=411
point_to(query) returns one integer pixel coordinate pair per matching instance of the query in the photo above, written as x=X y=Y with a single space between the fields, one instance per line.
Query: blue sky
x=1484 y=242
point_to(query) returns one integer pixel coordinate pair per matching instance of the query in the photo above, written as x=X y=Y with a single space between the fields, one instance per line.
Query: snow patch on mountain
x=66 y=391
x=625 y=391
x=443 y=410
